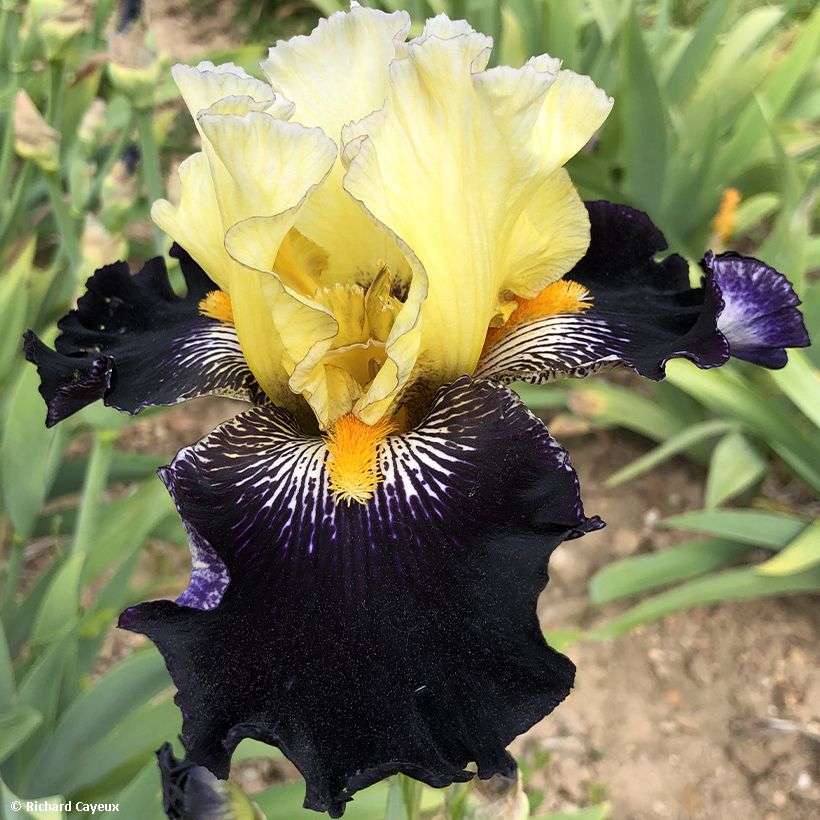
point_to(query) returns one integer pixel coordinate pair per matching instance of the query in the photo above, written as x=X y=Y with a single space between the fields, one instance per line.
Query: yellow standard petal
x=337 y=74
x=204 y=85
x=196 y=223
x=263 y=169
x=453 y=166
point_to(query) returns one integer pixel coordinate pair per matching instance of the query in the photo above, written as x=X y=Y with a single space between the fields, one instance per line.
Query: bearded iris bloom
x=375 y=241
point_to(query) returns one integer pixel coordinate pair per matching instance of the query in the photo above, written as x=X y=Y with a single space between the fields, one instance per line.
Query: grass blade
x=760 y=529
x=736 y=465
x=799 y=555
x=632 y=576
x=732 y=584
x=687 y=69
x=643 y=121
x=677 y=443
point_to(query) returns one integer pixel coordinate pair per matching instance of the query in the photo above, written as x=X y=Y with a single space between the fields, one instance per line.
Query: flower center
x=365 y=316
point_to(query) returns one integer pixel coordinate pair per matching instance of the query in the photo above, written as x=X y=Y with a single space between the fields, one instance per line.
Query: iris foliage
x=725 y=101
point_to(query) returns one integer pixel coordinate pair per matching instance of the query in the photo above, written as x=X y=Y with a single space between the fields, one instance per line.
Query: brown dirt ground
x=704 y=715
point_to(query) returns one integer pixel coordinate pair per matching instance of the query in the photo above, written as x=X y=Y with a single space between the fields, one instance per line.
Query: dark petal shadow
x=134 y=343
x=363 y=640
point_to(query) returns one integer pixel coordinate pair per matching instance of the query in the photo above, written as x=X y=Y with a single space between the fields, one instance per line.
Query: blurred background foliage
x=715 y=134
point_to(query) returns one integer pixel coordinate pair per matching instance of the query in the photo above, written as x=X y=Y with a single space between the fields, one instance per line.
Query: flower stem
x=54 y=109
x=14 y=566
x=12 y=212
x=66 y=225
x=114 y=153
x=7 y=148
x=96 y=479
x=150 y=166
x=403 y=798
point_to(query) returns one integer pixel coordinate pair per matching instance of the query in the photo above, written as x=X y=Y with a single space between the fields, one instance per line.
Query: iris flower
x=375 y=241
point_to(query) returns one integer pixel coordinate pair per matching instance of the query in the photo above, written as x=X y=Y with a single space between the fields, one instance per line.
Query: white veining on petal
x=568 y=345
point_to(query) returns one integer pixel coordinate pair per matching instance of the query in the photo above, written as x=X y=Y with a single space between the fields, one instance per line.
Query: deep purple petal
x=363 y=640
x=134 y=343
x=643 y=311
x=760 y=316
x=191 y=792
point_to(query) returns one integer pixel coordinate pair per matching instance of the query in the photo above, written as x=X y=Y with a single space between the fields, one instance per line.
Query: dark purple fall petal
x=191 y=792
x=363 y=640
x=134 y=343
x=645 y=313
x=760 y=316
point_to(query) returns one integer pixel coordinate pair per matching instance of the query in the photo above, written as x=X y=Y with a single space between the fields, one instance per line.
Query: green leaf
x=772 y=98
x=101 y=616
x=126 y=748
x=741 y=42
x=632 y=576
x=678 y=443
x=59 y=609
x=786 y=76
x=19 y=625
x=540 y=397
x=125 y=468
x=732 y=584
x=142 y=797
x=609 y=404
x=14 y=296
x=761 y=529
x=725 y=392
x=94 y=714
x=797 y=556
x=40 y=686
x=687 y=69
x=736 y=466
x=403 y=798
x=800 y=381
x=7 y=797
x=250 y=749
x=755 y=209
x=8 y=687
x=16 y=726
x=643 y=121
x=609 y=16
x=285 y=802
x=125 y=524
x=30 y=452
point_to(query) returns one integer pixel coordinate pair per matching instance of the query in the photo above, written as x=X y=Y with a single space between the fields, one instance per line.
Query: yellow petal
x=549 y=237
x=263 y=170
x=196 y=223
x=300 y=262
x=452 y=165
x=574 y=109
x=336 y=74
x=205 y=84
x=263 y=167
